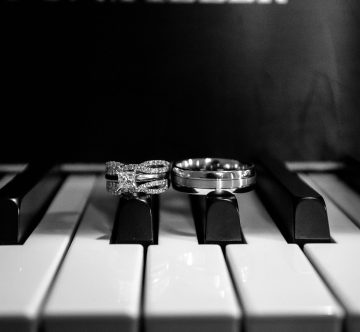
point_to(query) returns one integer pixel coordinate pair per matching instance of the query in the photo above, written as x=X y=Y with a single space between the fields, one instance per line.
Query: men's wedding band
x=204 y=175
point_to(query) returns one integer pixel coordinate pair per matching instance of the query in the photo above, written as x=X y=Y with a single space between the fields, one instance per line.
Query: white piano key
x=278 y=287
x=6 y=179
x=26 y=271
x=256 y=223
x=182 y=1
x=342 y=229
x=187 y=285
x=82 y=168
x=12 y=168
x=176 y=220
x=281 y=291
x=339 y=265
x=242 y=1
x=314 y=166
x=344 y=197
x=99 y=284
x=212 y=1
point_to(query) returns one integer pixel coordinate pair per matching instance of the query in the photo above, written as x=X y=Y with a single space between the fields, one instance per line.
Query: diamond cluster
x=152 y=187
x=148 y=167
x=127 y=177
x=113 y=167
x=154 y=166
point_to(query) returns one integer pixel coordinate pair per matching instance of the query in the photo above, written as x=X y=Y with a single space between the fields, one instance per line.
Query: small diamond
x=246 y=173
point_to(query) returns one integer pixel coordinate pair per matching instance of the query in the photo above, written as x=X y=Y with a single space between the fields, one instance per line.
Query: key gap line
x=329 y=288
x=141 y=327
x=242 y=325
x=40 y=323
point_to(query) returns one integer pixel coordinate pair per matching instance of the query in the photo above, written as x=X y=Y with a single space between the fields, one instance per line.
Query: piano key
x=242 y=1
x=298 y=210
x=6 y=179
x=340 y=193
x=212 y=1
x=99 y=285
x=342 y=229
x=182 y=1
x=26 y=271
x=90 y=168
x=256 y=223
x=278 y=287
x=12 y=168
x=338 y=263
x=176 y=225
x=314 y=166
x=207 y=210
x=136 y=220
x=24 y=200
x=339 y=266
x=187 y=285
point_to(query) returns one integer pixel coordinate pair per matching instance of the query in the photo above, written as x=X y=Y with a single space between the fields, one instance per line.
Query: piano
x=172 y=79
x=68 y=276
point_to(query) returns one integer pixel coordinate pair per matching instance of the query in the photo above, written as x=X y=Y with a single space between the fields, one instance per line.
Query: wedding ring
x=149 y=177
x=150 y=188
x=204 y=175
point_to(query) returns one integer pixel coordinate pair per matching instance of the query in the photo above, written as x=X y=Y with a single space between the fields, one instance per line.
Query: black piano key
x=298 y=210
x=350 y=174
x=217 y=218
x=24 y=200
x=136 y=220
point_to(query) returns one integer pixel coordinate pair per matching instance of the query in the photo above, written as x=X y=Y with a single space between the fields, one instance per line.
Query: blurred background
x=137 y=81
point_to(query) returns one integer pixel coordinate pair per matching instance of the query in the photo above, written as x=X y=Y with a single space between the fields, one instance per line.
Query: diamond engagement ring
x=204 y=175
x=149 y=177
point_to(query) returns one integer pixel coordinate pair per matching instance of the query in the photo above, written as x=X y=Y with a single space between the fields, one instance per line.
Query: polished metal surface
x=204 y=175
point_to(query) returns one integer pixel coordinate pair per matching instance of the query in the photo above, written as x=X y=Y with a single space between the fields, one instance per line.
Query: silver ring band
x=204 y=175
